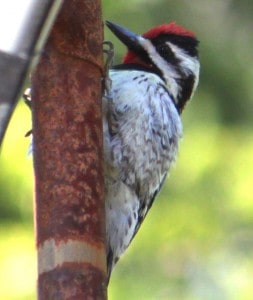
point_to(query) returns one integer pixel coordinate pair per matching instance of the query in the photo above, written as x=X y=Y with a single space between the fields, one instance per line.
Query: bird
x=142 y=124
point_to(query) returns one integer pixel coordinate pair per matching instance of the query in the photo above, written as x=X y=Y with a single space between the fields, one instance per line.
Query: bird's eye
x=164 y=50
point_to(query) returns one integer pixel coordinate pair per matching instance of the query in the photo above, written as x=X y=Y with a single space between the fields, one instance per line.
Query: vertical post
x=67 y=129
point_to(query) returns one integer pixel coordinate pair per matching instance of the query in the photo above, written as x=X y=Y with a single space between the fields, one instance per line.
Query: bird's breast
x=143 y=127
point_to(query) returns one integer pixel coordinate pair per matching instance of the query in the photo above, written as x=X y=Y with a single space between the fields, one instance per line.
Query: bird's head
x=168 y=50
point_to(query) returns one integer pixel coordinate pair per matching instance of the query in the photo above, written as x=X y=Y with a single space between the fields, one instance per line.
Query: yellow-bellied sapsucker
x=142 y=124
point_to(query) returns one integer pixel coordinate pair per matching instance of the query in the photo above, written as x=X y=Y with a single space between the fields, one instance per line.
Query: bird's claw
x=28 y=101
x=28 y=98
x=108 y=64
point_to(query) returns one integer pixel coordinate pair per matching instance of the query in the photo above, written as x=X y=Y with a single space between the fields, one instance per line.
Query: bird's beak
x=130 y=39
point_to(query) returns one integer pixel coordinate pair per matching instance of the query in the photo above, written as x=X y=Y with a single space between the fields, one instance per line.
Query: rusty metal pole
x=67 y=128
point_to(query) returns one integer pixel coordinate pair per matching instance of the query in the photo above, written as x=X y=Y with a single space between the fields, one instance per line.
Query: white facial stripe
x=168 y=71
x=188 y=63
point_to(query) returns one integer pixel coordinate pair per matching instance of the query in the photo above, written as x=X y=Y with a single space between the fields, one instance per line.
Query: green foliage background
x=197 y=241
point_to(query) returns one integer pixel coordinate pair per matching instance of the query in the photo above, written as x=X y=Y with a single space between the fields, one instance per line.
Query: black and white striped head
x=168 y=50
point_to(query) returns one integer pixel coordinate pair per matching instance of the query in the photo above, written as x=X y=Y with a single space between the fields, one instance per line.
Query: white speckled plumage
x=142 y=129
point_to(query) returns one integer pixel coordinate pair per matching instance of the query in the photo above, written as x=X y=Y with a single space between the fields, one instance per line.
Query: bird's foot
x=109 y=51
x=28 y=98
x=28 y=101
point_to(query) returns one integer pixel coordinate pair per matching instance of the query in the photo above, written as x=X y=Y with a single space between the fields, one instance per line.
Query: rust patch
x=72 y=281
